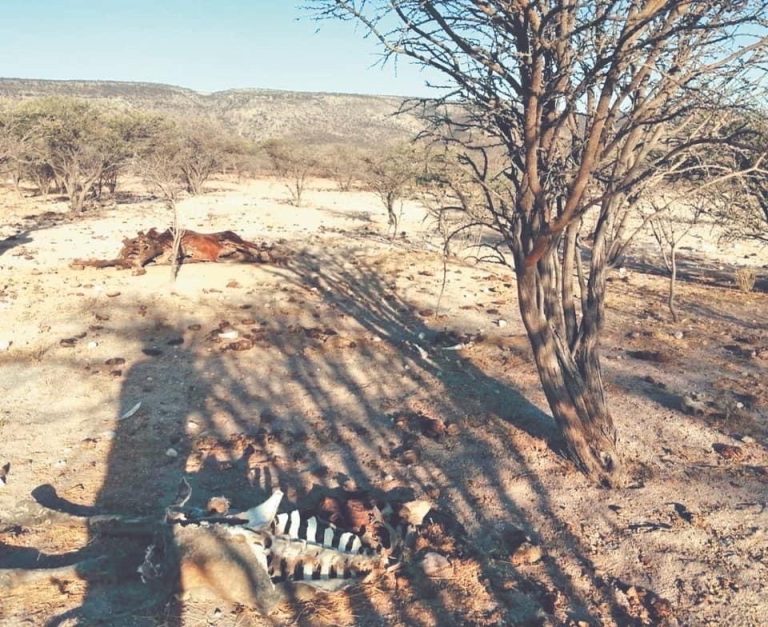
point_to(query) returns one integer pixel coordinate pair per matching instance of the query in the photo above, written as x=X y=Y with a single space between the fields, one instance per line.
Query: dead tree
x=582 y=102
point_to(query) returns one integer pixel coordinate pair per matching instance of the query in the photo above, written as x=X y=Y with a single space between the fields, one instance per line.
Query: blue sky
x=207 y=45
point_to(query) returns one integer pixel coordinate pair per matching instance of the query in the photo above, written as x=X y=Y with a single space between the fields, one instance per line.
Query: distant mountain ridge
x=255 y=113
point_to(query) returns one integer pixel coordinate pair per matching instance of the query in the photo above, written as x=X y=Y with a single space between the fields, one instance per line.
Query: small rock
x=152 y=352
x=92 y=344
x=436 y=566
x=678 y=335
x=4 y=345
x=172 y=453
x=231 y=334
x=138 y=271
x=747 y=439
x=68 y=342
x=409 y=457
x=728 y=451
x=501 y=323
x=218 y=505
x=114 y=361
x=527 y=553
x=113 y=294
x=414 y=512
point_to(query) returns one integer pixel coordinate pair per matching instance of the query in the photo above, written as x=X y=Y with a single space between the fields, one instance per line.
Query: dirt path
x=345 y=347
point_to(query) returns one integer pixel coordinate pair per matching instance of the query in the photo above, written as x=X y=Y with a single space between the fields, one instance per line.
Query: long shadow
x=307 y=405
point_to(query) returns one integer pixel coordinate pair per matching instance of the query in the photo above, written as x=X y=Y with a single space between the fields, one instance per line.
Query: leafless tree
x=670 y=221
x=585 y=101
x=294 y=162
x=161 y=169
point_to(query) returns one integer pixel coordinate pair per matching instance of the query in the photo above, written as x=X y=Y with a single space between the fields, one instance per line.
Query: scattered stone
x=414 y=512
x=527 y=553
x=5 y=345
x=138 y=271
x=728 y=451
x=194 y=327
x=231 y=334
x=435 y=566
x=426 y=313
x=501 y=323
x=678 y=335
x=658 y=357
x=218 y=505
x=172 y=453
x=693 y=406
x=747 y=439
x=175 y=341
x=233 y=284
x=92 y=344
x=68 y=342
x=113 y=294
x=409 y=457
x=242 y=344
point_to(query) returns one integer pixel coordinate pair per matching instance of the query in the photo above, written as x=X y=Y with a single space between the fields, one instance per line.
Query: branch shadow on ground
x=304 y=409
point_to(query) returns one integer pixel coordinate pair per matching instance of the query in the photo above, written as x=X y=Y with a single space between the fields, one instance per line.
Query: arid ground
x=348 y=350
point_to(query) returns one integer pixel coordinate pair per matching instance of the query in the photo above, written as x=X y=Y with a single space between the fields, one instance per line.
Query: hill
x=255 y=113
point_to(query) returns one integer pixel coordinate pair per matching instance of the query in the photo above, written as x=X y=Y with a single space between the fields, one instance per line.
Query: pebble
x=748 y=439
x=92 y=345
x=435 y=565
x=527 y=553
x=679 y=335
x=172 y=453
x=501 y=323
x=4 y=345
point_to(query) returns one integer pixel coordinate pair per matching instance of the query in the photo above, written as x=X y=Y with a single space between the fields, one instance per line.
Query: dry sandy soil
x=348 y=355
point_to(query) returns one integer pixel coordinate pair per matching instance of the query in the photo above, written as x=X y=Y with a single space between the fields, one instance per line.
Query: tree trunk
x=672 y=281
x=571 y=379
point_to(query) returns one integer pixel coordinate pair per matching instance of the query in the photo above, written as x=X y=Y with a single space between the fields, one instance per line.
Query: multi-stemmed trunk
x=566 y=351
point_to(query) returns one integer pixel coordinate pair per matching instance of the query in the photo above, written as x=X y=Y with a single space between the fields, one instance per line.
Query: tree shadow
x=333 y=357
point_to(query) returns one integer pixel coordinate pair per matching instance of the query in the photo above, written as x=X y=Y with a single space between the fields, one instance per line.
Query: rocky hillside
x=255 y=113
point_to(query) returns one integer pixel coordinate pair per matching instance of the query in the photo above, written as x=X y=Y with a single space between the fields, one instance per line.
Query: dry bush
x=745 y=279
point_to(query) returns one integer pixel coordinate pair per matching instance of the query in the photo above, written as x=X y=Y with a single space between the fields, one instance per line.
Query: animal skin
x=155 y=247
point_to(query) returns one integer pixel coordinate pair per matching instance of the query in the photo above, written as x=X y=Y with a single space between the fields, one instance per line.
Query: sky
x=206 y=45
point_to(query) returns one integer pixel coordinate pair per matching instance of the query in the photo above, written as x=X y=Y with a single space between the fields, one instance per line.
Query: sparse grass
x=745 y=279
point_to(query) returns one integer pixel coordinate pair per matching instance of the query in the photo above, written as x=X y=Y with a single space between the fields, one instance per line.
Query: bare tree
x=585 y=101
x=294 y=162
x=160 y=166
x=670 y=221
x=343 y=165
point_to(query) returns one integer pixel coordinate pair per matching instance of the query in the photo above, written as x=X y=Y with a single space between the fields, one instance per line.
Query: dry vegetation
x=347 y=356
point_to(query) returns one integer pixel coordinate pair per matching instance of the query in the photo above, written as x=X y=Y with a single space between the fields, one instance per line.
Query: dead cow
x=154 y=247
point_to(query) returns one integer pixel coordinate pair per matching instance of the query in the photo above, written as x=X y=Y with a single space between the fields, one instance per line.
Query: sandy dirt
x=347 y=351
